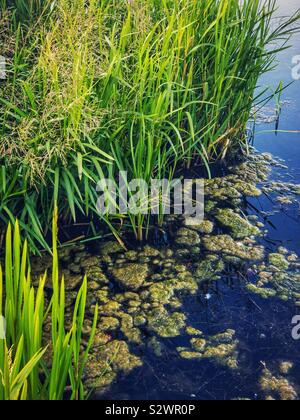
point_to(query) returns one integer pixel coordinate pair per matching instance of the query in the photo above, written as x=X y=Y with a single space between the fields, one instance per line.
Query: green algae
x=239 y=226
x=278 y=386
x=117 y=354
x=102 y=296
x=108 y=324
x=161 y=293
x=165 y=324
x=285 y=200
x=149 y=252
x=90 y=261
x=103 y=381
x=209 y=269
x=156 y=346
x=198 y=344
x=98 y=372
x=279 y=261
x=210 y=205
x=187 y=237
x=206 y=227
x=265 y=293
x=248 y=189
x=286 y=367
x=131 y=276
x=128 y=329
x=140 y=292
x=279 y=276
x=139 y=321
x=224 y=354
x=190 y=355
x=227 y=245
x=111 y=247
x=110 y=308
x=95 y=273
x=221 y=348
x=223 y=338
x=193 y=331
x=101 y=338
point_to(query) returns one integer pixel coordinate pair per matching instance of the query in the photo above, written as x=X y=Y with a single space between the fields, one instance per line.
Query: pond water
x=283 y=144
x=209 y=317
x=261 y=359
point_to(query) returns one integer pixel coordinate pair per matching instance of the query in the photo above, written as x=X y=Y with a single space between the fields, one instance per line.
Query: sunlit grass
x=143 y=86
x=25 y=373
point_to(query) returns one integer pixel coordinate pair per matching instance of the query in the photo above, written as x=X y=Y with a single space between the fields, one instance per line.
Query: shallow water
x=254 y=333
x=244 y=336
x=285 y=145
x=263 y=327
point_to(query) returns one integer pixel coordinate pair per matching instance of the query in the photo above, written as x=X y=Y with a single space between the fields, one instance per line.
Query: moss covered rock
x=131 y=276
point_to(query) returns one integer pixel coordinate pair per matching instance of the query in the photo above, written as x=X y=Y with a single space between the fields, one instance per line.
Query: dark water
x=285 y=143
x=263 y=327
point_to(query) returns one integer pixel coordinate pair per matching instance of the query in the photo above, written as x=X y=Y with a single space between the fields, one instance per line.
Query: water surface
x=262 y=326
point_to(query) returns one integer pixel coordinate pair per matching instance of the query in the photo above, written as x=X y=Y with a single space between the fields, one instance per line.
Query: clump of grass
x=143 y=86
x=27 y=10
x=25 y=371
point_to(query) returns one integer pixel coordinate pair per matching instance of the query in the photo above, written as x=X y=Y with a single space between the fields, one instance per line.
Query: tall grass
x=145 y=86
x=24 y=372
x=27 y=10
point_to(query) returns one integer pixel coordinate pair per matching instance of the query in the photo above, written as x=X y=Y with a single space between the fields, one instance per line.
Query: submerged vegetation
x=154 y=301
x=97 y=87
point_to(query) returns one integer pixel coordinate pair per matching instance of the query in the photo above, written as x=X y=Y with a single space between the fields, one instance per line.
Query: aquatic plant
x=13 y=379
x=38 y=366
x=145 y=86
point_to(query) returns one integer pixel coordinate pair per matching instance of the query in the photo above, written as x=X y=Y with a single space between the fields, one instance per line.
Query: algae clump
x=227 y=245
x=239 y=226
x=165 y=324
x=131 y=276
x=279 y=261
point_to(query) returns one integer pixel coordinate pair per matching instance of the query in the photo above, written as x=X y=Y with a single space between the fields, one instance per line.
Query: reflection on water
x=285 y=143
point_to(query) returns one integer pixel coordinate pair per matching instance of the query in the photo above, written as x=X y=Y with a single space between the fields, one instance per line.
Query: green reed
x=144 y=86
x=35 y=368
